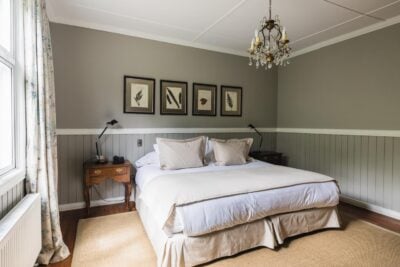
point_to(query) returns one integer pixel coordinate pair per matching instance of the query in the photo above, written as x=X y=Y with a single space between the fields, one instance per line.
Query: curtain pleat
x=41 y=151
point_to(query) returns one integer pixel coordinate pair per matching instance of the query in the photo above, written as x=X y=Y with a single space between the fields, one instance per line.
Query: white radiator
x=20 y=233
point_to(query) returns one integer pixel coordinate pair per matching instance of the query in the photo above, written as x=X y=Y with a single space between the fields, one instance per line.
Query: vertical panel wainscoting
x=11 y=198
x=366 y=167
x=74 y=150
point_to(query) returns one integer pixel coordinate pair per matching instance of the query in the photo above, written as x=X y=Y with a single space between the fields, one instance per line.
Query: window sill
x=11 y=179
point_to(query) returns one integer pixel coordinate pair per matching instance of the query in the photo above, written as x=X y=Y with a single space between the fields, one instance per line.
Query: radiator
x=20 y=234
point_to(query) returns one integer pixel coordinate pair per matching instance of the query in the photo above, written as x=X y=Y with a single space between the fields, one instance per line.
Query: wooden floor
x=69 y=222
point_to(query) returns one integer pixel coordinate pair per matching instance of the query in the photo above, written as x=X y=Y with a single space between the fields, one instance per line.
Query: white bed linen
x=183 y=251
x=148 y=172
x=215 y=214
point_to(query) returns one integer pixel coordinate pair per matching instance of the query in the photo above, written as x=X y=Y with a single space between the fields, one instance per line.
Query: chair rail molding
x=359 y=132
x=94 y=131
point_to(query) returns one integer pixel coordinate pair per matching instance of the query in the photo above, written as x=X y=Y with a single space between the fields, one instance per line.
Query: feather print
x=169 y=99
x=173 y=97
x=138 y=97
x=229 y=101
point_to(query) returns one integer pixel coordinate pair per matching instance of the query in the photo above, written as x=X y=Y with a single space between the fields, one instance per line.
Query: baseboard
x=371 y=207
x=93 y=203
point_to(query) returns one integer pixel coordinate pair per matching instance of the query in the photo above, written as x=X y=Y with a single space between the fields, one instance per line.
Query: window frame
x=15 y=59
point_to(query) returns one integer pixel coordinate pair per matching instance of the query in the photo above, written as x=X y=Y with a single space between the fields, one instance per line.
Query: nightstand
x=98 y=173
x=268 y=156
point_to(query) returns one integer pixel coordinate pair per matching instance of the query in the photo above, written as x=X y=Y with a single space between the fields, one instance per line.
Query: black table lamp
x=259 y=134
x=99 y=155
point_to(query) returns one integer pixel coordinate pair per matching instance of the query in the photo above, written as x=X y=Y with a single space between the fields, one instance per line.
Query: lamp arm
x=97 y=148
x=255 y=129
x=105 y=129
x=259 y=134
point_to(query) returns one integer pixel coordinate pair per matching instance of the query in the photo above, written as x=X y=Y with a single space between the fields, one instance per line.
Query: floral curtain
x=41 y=158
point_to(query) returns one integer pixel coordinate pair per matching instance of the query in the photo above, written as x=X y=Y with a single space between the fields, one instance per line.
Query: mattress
x=211 y=215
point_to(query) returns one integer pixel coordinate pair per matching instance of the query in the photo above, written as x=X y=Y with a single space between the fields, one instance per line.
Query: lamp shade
x=112 y=122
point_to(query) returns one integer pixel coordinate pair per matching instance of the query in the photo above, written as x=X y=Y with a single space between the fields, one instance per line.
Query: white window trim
x=14 y=176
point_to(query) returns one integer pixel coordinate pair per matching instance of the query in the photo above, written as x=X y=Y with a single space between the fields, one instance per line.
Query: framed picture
x=204 y=99
x=231 y=100
x=173 y=97
x=139 y=95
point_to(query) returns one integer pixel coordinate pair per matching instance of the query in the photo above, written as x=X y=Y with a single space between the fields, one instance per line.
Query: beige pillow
x=232 y=151
x=181 y=154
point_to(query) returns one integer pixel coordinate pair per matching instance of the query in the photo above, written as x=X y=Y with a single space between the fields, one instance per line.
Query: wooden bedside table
x=98 y=173
x=268 y=156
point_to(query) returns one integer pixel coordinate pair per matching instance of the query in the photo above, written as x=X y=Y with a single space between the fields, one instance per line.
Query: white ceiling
x=225 y=25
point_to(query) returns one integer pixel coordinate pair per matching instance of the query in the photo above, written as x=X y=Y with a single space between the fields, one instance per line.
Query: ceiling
x=226 y=25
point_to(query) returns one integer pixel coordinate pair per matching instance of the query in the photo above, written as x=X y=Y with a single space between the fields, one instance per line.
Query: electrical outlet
x=139 y=142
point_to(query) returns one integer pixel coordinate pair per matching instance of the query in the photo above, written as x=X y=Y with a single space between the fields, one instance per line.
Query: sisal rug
x=120 y=240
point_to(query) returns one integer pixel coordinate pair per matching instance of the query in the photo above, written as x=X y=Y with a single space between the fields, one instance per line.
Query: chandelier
x=270 y=44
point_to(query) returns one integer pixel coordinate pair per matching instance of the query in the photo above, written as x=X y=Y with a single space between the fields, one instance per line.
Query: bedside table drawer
x=108 y=171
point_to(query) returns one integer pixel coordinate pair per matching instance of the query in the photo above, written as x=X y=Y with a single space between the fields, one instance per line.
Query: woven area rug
x=120 y=240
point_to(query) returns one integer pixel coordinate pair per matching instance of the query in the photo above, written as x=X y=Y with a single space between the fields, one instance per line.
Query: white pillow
x=148 y=159
x=181 y=154
x=209 y=149
x=232 y=151
x=155 y=146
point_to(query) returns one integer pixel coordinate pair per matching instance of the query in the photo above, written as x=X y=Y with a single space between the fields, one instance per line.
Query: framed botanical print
x=204 y=99
x=231 y=101
x=139 y=95
x=173 y=97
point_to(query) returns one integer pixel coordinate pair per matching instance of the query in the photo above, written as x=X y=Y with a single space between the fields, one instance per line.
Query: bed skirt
x=180 y=250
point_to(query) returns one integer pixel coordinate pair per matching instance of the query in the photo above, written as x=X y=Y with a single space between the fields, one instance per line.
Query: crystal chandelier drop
x=270 y=44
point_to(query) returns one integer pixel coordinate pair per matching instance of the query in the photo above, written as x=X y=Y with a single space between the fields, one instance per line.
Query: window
x=11 y=94
x=5 y=24
x=6 y=119
x=6 y=88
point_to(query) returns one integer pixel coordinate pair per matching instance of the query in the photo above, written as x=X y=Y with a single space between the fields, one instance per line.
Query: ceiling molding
x=50 y=9
x=230 y=11
x=347 y=36
x=112 y=29
x=345 y=22
x=108 y=28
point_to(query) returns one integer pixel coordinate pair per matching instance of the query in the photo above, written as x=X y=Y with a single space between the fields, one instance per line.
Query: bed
x=193 y=216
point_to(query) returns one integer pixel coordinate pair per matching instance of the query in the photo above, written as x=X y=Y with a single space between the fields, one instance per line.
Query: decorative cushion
x=181 y=154
x=232 y=151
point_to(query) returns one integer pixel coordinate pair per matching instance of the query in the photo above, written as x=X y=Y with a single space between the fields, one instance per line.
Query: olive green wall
x=354 y=84
x=89 y=70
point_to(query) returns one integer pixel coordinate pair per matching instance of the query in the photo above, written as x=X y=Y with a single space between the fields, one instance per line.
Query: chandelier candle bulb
x=284 y=36
x=272 y=45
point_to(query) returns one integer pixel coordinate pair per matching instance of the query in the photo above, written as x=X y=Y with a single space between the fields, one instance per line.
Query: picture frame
x=204 y=99
x=139 y=95
x=173 y=97
x=231 y=101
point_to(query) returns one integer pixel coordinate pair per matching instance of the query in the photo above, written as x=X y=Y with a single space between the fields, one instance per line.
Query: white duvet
x=215 y=214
